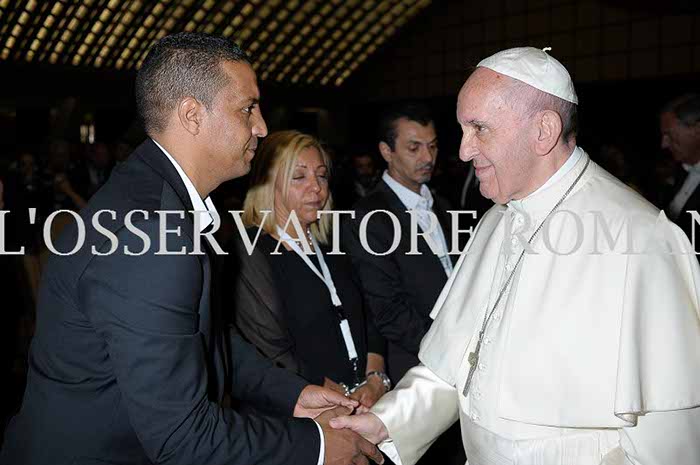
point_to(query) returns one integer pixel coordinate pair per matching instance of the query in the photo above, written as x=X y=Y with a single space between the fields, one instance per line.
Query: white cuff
x=322 y=452
x=390 y=450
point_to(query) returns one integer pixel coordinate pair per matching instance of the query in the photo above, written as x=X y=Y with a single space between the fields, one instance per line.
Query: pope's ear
x=190 y=113
x=385 y=150
x=549 y=129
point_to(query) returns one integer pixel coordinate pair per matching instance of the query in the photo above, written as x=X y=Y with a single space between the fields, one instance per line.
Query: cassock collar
x=549 y=194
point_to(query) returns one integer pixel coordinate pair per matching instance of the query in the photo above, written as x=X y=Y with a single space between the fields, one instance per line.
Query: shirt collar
x=198 y=204
x=410 y=199
x=692 y=169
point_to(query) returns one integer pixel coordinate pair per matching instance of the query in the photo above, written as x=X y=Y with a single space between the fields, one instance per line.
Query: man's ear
x=549 y=128
x=385 y=150
x=190 y=113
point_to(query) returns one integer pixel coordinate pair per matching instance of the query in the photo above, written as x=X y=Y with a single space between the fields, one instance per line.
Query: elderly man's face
x=495 y=137
x=682 y=141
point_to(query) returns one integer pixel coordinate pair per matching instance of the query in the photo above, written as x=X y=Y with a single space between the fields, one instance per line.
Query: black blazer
x=685 y=220
x=283 y=309
x=400 y=289
x=129 y=359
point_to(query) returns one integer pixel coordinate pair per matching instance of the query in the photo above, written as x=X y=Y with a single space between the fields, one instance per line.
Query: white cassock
x=591 y=358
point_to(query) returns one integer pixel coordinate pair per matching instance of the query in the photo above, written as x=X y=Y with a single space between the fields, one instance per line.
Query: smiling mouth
x=479 y=170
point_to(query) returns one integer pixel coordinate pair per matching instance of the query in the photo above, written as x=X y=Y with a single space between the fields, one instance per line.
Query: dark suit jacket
x=129 y=359
x=400 y=289
x=684 y=219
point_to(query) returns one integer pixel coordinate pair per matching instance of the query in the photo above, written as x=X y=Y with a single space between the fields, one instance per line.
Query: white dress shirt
x=198 y=204
x=422 y=204
x=207 y=205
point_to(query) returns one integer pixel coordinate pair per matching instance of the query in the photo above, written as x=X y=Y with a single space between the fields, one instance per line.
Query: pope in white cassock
x=569 y=332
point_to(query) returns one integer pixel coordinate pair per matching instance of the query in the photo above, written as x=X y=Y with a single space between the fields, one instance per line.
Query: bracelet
x=346 y=388
x=383 y=377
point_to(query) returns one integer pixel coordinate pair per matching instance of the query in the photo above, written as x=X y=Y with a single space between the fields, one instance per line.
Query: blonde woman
x=300 y=306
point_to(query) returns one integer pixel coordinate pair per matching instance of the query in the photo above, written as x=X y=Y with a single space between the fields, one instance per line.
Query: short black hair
x=686 y=108
x=181 y=65
x=411 y=111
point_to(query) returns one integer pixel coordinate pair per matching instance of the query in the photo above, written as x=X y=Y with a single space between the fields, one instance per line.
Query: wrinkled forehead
x=484 y=94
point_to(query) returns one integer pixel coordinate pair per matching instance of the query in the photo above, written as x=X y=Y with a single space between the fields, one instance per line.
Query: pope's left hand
x=368 y=394
x=314 y=400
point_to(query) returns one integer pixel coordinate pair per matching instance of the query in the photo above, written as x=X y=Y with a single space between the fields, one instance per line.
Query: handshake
x=349 y=439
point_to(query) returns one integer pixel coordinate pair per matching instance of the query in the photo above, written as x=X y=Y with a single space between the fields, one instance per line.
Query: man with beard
x=402 y=286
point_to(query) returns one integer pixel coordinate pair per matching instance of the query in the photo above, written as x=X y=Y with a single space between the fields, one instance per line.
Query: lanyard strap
x=325 y=276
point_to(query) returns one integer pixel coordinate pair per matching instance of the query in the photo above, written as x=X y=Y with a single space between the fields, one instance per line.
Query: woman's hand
x=332 y=385
x=368 y=394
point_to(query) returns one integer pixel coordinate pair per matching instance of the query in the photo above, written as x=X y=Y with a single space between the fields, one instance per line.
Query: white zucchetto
x=533 y=67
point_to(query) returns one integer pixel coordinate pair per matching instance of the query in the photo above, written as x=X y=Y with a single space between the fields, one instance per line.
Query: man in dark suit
x=680 y=135
x=402 y=282
x=130 y=361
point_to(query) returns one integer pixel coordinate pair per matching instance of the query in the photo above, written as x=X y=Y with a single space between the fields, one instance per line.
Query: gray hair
x=686 y=108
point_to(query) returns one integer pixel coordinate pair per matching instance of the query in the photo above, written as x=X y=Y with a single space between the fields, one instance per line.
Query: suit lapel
x=175 y=196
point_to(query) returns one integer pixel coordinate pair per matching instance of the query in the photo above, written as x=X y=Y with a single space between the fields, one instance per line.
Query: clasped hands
x=348 y=439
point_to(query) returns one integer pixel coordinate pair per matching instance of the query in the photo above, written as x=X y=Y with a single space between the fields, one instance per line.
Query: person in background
x=401 y=288
x=358 y=178
x=98 y=166
x=680 y=136
x=305 y=312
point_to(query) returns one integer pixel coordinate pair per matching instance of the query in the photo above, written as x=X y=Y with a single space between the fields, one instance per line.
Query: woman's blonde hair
x=276 y=157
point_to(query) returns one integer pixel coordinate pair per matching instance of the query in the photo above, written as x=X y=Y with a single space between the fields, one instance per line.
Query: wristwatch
x=383 y=377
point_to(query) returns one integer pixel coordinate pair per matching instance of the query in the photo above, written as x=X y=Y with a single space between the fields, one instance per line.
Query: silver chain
x=474 y=356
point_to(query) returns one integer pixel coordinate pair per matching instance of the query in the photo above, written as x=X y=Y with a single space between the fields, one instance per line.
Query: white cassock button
x=482 y=367
x=487 y=341
x=475 y=417
x=514 y=241
x=477 y=394
x=497 y=316
x=519 y=220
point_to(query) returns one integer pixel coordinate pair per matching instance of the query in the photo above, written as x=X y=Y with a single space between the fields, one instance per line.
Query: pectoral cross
x=473 y=360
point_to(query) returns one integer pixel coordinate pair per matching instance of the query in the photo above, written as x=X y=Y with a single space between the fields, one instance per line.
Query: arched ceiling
x=291 y=41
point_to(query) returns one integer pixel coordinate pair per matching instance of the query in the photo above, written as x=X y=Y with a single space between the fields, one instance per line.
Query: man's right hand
x=343 y=446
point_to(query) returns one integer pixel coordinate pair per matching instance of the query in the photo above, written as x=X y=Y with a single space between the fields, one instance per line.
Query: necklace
x=473 y=357
x=308 y=236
